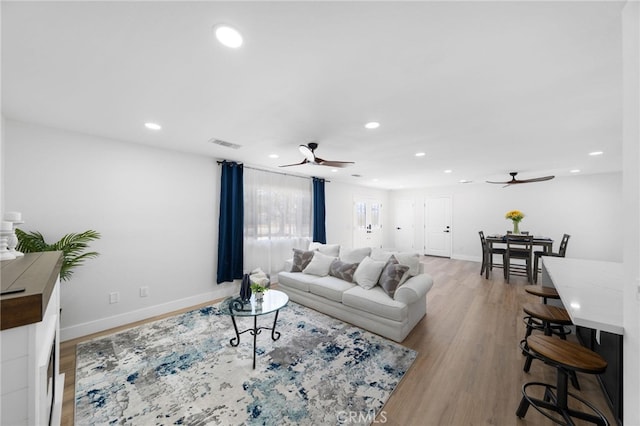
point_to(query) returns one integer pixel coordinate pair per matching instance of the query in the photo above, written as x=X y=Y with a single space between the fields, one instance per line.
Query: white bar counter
x=590 y=290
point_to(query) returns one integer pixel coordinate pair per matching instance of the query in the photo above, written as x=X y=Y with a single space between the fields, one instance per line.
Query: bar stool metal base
x=554 y=403
x=531 y=355
x=532 y=323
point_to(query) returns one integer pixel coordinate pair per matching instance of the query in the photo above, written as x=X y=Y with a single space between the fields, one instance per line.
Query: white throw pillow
x=354 y=255
x=368 y=272
x=328 y=249
x=319 y=265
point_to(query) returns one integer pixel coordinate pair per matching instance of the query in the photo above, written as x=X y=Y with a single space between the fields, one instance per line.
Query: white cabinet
x=31 y=385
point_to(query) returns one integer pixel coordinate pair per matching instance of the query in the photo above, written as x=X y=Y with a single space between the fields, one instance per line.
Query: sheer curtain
x=277 y=218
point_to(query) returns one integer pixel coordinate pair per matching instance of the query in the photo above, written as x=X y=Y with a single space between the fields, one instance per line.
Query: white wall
x=631 y=183
x=157 y=212
x=586 y=207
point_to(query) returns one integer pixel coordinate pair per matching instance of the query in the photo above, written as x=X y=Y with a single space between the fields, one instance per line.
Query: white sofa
x=372 y=309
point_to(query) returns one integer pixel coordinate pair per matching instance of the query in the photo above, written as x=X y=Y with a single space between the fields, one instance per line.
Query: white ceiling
x=483 y=88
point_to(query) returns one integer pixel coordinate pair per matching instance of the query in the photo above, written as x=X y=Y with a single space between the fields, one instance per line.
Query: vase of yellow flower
x=515 y=216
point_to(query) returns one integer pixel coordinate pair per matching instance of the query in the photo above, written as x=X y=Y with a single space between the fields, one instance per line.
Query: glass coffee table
x=272 y=301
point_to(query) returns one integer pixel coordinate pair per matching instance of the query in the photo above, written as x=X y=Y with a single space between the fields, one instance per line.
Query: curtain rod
x=272 y=171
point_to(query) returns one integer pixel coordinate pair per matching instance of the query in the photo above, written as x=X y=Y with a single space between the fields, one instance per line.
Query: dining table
x=545 y=242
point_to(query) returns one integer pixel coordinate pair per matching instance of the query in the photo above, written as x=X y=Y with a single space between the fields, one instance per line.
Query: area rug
x=182 y=370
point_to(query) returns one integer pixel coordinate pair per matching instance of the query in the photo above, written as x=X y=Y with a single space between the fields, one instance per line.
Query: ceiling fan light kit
x=514 y=181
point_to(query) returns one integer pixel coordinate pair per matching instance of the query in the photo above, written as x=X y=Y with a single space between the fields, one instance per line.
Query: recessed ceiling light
x=464 y=181
x=374 y=179
x=228 y=36
x=420 y=154
x=574 y=171
x=274 y=156
x=594 y=153
x=152 y=126
x=372 y=125
x=448 y=171
x=334 y=170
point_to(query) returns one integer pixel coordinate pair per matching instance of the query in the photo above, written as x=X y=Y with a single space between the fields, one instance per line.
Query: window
x=277 y=218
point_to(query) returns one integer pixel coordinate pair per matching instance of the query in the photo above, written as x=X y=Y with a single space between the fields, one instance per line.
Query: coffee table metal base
x=275 y=335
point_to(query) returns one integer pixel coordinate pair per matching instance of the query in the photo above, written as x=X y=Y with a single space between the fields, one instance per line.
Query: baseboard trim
x=84 y=329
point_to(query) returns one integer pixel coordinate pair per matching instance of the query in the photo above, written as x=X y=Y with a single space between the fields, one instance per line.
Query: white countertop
x=590 y=290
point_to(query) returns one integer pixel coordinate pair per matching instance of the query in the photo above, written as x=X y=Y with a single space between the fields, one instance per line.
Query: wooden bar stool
x=566 y=357
x=542 y=291
x=548 y=319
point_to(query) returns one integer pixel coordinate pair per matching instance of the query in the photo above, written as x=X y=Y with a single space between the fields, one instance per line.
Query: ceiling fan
x=514 y=181
x=310 y=158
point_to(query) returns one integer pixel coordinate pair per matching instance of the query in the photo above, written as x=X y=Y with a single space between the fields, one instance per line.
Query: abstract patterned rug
x=182 y=370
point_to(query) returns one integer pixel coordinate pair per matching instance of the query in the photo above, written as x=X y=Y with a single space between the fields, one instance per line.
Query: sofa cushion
x=368 y=272
x=379 y=254
x=329 y=287
x=296 y=280
x=412 y=260
x=343 y=270
x=391 y=275
x=301 y=259
x=375 y=301
x=328 y=249
x=319 y=265
x=354 y=255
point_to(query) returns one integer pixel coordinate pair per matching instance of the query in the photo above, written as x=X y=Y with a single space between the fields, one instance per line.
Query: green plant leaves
x=73 y=247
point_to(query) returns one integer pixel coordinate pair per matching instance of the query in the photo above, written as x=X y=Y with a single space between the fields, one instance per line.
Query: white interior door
x=403 y=227
x=367 y=220
x=438 y=226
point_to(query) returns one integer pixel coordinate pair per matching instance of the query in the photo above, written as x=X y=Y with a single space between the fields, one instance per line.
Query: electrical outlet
x=144 y=291
x=114 y=297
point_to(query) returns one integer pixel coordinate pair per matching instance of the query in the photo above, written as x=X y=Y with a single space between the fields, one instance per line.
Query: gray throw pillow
x=301 y=260
x=391 y=276
x=343 y=270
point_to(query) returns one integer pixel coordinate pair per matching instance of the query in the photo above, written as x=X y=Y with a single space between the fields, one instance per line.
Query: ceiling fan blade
x=540 y=179
x=329 y=163
x=305 y=161
x=514 y=181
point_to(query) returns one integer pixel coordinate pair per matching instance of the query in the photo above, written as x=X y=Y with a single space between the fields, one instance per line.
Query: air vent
x=225 y=143
x=356 y=175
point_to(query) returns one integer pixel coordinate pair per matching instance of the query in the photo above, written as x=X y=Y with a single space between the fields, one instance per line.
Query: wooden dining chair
x=519 y=247
x=538 y=254
x=487 y=256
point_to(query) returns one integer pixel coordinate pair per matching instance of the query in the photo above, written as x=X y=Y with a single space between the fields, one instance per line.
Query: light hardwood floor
x=469 y=365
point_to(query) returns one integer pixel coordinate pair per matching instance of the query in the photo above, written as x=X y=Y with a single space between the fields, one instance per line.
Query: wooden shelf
x=37 y=274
